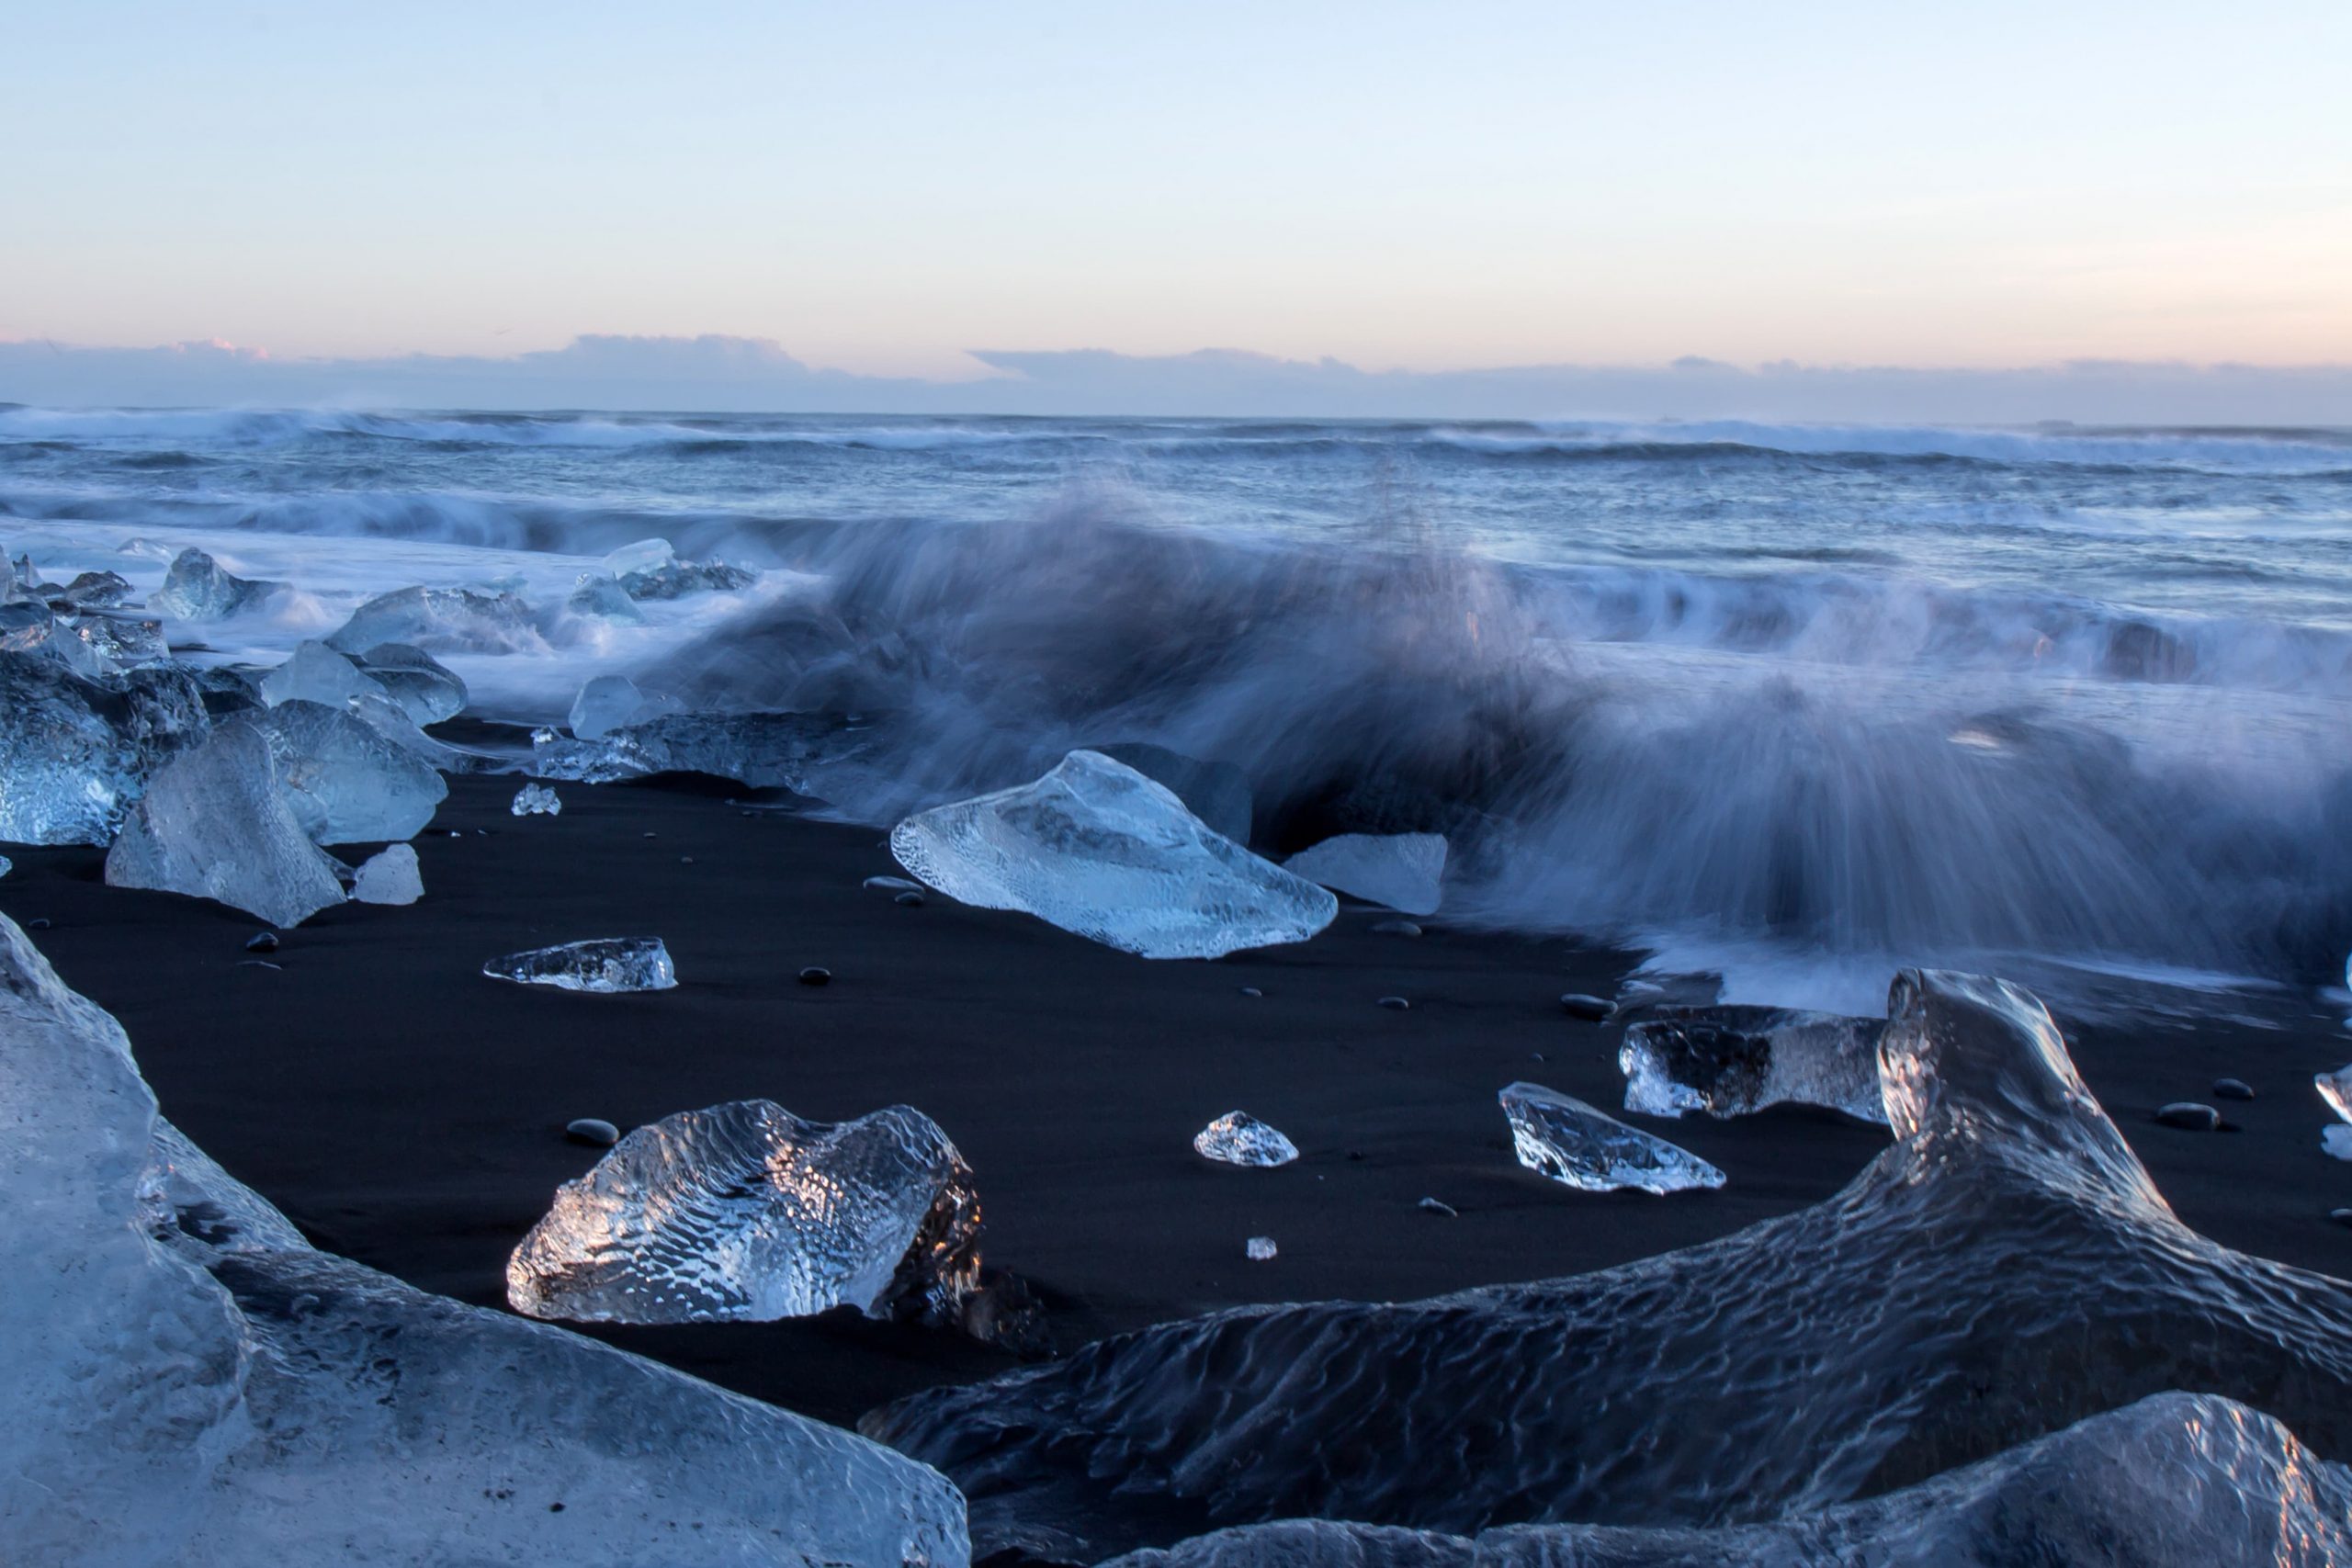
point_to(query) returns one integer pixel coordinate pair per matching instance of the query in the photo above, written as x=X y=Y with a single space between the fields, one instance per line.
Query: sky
x=898 y=192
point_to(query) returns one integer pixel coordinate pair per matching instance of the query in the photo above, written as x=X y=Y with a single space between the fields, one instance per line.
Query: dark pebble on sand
x=2189 y=1115
x=1252 y=991
x=38 y=924
x=2341 y=1216
x=1396 y=927
x=685 y=860
x=1434 y=1207
x=593 y=1131
x=2233 y=1088
x=262 y=942
x=816 y=975
x=911 y=901
x=1395 y=1004
x=1575 y=1004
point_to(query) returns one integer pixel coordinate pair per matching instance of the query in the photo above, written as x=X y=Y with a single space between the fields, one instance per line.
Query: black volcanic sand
x=407 y=1113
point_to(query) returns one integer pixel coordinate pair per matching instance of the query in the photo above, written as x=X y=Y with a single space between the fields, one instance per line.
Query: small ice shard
x=346 y=783
x=1217 y=792
x=468 y=620
x=1591 y=1009
x=2335 y=1087
x=215 y=824
x=317 y=673
x=1401 y=870
x=1260 y=1248
x=391 y=877
x=1729 y=1061
x=1239 y=1138
x=425 y=690
x=6 y=865
x=1097 y=848
x=2336 y=1139
x=1439 y=1207
x=646 y=555
x=74 y=753
x=1560 y=1136
x=602 y=963
x=604 y=704
x=606 y=599
x=535 y=800
x=745 y=1212
x=196 y=587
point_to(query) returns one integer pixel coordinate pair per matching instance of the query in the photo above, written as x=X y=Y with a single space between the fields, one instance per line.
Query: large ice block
x=347 y=784
x=426 y=690
x=600 y=964
x=1560 y=1136
x=215 y=823
x=314 y=672
x=746 y=1213
x=1728 y=1061
x=464 y=620
x=74 y=753
x=197 y=588
x=1097 y=848
x=1403 y=871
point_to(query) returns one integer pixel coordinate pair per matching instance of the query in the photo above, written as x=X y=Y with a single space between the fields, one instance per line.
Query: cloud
x=722 y=374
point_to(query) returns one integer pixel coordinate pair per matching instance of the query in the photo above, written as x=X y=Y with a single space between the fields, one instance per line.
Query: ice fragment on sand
x=74 y=753
x=391 y=877
x=602 y=963
x=1729 y=1061
x=190 y=1383
x=1260 y=1248
x=1097 y=848
x=426 y=690
x=1217 y=792
x=746 y=1213
x=6 y=865
x=346 y=783
x=1560 y=1136
x=1239 y=1138
x=1400 y=870
x=2335 y=1087
x=317 y=673
x=197 y=588
x=535 y=800
x=215 y=824
x=2336 y=1139
x=468 y=620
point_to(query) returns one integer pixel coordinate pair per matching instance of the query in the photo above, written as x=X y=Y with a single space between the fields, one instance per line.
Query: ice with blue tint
x=1403 y=871
x=215 y=822
x=600 y=964
x=1560 y=1136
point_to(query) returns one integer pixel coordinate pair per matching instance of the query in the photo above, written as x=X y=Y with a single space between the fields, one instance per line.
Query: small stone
x=1252 y=991
x=593 y=1132
x=1535 y=1055
x=909 y=900
x=2341 y=1216
x=653 y=835
x=1592 y=1009
x=258 y=964
x=1395 y=1004
x=38 y=924
x=2190 y=1116
x=816 y=975
x=1434 y=1207
x=262 y=942
x=685 y=860
x=2233 y=1088
x=1261 y=1248
x=1396 y=927
x=892 y=884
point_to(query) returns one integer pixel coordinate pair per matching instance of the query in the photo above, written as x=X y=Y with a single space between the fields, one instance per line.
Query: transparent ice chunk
x=1260 y=1248
x=1239 y=1138
x=425 y=690
x=2336 y=1139
x=74 y=753
x=1402 y=871
x=1097 y=848
x=1560 y=1136
x=465 y=620
x=214 y=823
x=314 y=672
x=676 y=579
x=746 y=1213
x=645 y=555
x=535 y=800
x=604 y=704
x=346 y=783
x=762 y=749
x=197 y=588
x=1217 y=792
x=604 y=599
x=2335 y=1087
x=96 y=590
x=391 y=876
x=1729 y=1061
x=601 y=964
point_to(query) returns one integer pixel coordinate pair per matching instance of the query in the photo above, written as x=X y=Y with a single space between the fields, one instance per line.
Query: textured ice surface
x=1260 y=1249
x=602 y=963
x=314 y=672
x=426 y=690
x=1400 y=870
x=196 y=587
x=31 y=627
x=2003 y=1270
x=645 y=555
x=1239 y=1138
x=2335 y=1087
x=215 y=823
x=745 y=1212
x=1728 y=1061
x=464 y=620
x=1217 y=792
x=96 y=589
x=2174 y=1481
x=391 y=876
x=604 y=704
x=1096 y=848
x=346 y=783
x=116 y=640
x=190 y=1385
x=763 y=749
x=75 y=753
x=1560 y=1136
x=675 y=580
x=535 y=800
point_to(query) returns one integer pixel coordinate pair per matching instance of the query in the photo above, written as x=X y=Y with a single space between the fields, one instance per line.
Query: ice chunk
x=1728 y=1061
x=196 y=587
x=116 y=639
x=74 y=753
x=604 y=704
x=391 y=877
x=1560 y=1136
x=96 y=589
x=1400 y=870
x=1239 y=1138
x=2336 y=1139
x=425 y=690
x=30 y=626
x=215 y=824
x=535 y=800
x=1096 y=848
x=2335 y=1087
x=602 y=963
x=746 y=1213
x=604 y=599
x=1217 y=792
x=762 y=749
x=1260 y=1248
x=190 y=1383
x=317 y=673
x=468 y=620
x=6 y=865
x=347 y=784
x=676 y=579
x=646 y=555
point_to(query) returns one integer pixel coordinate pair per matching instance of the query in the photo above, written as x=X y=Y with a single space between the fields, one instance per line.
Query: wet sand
x=407 y=1113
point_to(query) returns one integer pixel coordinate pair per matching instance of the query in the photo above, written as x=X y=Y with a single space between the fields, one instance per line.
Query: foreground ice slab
x=1560 y=1136
x=346 y=783
x=745 y=1212
x=196 y=587
x=215 y=823
x=191 y=1386
x=74 y=753
x=1096 y=848
x=1403 y=871
x=1239 y=1138
x=2175 y=1480
x=1728 y=1061
x=603 y=963
x=2003 y=1270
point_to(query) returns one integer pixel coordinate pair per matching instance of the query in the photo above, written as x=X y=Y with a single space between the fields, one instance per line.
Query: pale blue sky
x=880 y=187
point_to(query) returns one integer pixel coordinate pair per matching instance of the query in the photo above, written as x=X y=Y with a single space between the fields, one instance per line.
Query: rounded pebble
x=2233 y=1088
x=258 y=964
x=2189 y=1115
x=1252 y=991
x=1396 y=927
x=38 y=924
x=1395 y=1004
x=2341 y=1216
x=262 y=942
x=816 y=975
x=685 y=860
x=593 y=1131
x=909 y=900
x=1575 y=1004
x=1435 y=1207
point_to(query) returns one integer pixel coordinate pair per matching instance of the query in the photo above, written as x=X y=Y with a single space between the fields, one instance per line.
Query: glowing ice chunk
x=1560 y=1136
x=602 y=963
x=535 y=800
x=1239 y=1138
x=1728 y=1061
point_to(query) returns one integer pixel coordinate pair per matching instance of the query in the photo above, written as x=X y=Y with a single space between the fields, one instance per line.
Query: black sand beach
x=409 y=1112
